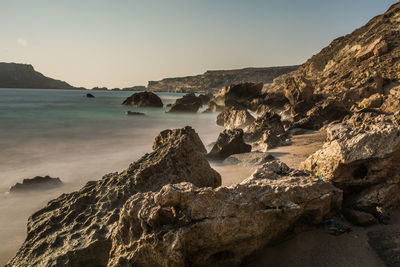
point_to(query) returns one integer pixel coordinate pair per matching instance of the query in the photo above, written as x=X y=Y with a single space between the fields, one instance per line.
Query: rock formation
x=361 y=157
x=212 y=81
x=75 y=229
x=36 y=183
x=265 y=132
x=213 y=107
x=89 y=96
x=229 y=142
x=234 y=117
x=358 y=70
x=130 y=113
x=188 y=103
x=143 y=99
x=249 y=159
x=183 y=225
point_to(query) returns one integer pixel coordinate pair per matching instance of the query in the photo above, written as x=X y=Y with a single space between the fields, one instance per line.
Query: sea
x=63 y=134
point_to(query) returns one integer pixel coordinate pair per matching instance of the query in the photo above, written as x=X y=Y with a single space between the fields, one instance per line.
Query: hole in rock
x=360 y=172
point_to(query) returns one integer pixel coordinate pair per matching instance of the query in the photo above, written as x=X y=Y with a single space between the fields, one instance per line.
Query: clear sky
x=120 y=43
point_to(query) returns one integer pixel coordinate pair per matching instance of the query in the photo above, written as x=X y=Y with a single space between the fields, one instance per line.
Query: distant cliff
x=13 y=75
x=215 y=80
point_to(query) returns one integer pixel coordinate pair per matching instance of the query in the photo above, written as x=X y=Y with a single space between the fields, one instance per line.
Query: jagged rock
x=172 y=137
x=183 y=225
x=75 y=229
x=298 y=89
x=36 y=183
x=249 y=159
x=89 y=96
x=322 y=113
x=269 y=121
x=134 y=113
x=386 y=243
x=229 y=142
x=362 y=161
x=234 y=117
x=143 y=99
x=188 y=103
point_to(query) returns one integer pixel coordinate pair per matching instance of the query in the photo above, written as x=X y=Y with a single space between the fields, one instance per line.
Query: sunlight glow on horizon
x=125 y=43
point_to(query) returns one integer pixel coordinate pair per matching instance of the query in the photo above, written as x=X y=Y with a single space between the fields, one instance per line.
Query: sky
x=121 y=43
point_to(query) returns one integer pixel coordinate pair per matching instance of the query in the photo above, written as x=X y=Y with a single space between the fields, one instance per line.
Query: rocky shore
x=170 y=208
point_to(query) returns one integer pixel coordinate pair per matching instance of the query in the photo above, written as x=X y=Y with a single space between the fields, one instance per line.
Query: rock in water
x=75 y=229
x=234 y=117
x=183 y=225
x=134 y=113
x=36 y=183
x=229 y=142
x=144 y=99
x=242 y=94
x=89 y=96
x=188 y=103
x=362 y=161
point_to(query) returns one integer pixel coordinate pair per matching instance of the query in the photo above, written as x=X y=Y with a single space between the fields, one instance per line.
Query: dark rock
x=75 y=229
x=143 y=99
x=36 y=183
x=89 y=96
x=134 y=113
x=243 y=94
x=205 y=98
x=188 y=103
x=229 y=142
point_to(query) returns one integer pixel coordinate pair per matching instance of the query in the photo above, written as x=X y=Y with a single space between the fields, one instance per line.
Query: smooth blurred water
x=63 y=134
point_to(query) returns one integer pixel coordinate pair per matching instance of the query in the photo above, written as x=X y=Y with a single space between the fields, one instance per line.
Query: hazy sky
x=120 y=43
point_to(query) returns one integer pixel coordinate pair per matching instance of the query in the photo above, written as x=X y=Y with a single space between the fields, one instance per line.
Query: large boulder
x=75 y=229
x=143 y=99
x=188 y=103
x=234 y=117
x=363 y=161
x=229 y=142
x=183 y=225
x=36 y=183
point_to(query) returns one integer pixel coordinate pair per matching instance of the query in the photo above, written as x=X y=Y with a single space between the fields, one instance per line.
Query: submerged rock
x=188 y=103
x=36 y=183
x=183 y=225
x=234 y=117
x=75 y=229
x=134 y=113
x=89 y=96
x=229 y=142
x=144 y=99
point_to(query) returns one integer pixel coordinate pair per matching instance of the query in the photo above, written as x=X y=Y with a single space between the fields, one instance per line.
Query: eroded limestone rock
x=234 y=117
x=229 y=142
x=182 y=225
